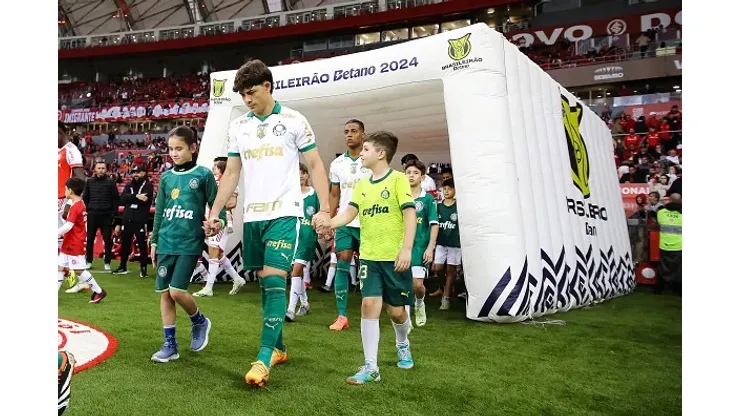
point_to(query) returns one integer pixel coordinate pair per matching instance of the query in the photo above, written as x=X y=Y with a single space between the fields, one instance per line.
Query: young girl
x=177 y=239
x=305 y=251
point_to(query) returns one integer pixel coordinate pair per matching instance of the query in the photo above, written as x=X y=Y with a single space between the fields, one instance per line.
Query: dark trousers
x=670 y=271
x=104 y=222
x=129 y=230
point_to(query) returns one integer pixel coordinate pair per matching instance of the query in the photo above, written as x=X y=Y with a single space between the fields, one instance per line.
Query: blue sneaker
x=167 y=353
x=404 y=357
x=366 y=374
x=200 y=336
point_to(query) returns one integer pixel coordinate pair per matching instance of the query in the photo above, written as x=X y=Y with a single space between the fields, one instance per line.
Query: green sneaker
x=421 y=315
x=366 y=374
x=404 y=357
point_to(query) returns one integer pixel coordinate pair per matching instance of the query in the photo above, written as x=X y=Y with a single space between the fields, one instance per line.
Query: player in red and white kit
x=74 y=230
x=69 y=165
x=217 y=244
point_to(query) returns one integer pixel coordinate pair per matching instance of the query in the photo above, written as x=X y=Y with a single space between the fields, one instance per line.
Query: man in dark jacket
x=101 y=200
x=136 y=198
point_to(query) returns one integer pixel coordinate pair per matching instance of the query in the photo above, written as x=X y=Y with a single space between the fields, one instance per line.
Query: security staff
x=136 y=198
x=671 y=244
x=101 y=200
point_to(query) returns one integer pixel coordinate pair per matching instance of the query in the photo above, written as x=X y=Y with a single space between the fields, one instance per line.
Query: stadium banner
x=630 y=191
x=618 y=71
x=636 y=111
x=617 y=26
x=538 y=197
x=152 y=111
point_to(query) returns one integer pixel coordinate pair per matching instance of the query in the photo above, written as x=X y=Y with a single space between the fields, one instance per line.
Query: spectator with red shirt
x=653 y=121
x=664 y=134
x=632 y=141
x=652 y=139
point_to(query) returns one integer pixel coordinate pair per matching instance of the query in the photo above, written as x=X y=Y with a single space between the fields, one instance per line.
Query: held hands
x=212 y=226
x=321 y=222
x=403 y=262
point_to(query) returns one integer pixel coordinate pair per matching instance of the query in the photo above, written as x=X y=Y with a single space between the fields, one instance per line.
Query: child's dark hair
x=185 y=133
x=221 y=159
x=251 y=74
x=221 y=166
x=449 y=182
x=302 y=167
x=446 y=170
x=356 y=121
x=386 y=141
x=76 y=185
x=418 y=164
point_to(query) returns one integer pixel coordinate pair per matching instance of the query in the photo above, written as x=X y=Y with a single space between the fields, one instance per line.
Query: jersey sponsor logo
x=419 y=221
x=385 y=194
x=350 y=185
x=263 y=151
x=279 y=245
x=272 y=322
x=177 y=212
x=262 y=207
x=375 y=209
x=162 y=271
x=305 y=222
x=193 y=183
x=447 y=225
x=279 y=129
x=174 y=193
x=89 y=345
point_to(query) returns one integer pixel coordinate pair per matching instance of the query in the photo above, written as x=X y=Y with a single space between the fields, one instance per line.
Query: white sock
x=370 y=331
x=87 y=277
x=201 y=270
x=60 y=279
x=229 y=268
x=353 y=274
x=408 y=310
x=295 y=284
x=330 y=276
x=302 y=293
x=213 y=266
x=402 y=331
x=420 y=302
x=307 y=273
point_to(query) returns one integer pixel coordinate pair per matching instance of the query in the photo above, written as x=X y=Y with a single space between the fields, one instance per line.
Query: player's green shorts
x=378 y=278
x=307 y=240
x=174 y=271
x=270 y=243
x=347 y=238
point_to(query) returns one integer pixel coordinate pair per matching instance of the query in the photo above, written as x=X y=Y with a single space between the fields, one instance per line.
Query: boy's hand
x=429 y=255
x=212 y=226
x=403 y=262
x=153 y=256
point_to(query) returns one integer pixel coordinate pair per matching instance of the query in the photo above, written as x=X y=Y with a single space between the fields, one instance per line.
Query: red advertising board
x=629 y=196
x=660 y=109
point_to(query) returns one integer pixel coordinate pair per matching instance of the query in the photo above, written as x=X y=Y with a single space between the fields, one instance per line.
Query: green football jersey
x=310 y=208
x=426 y=217
x=449 y=230
x=181 y=209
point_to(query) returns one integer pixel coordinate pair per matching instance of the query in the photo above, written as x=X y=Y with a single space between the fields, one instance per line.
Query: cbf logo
x=579 y=164
x=193 y=183
x=162 y=271
x=261 y=130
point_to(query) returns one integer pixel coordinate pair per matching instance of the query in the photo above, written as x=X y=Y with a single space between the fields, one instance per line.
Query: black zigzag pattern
x=534 y=285
x=604 y=276
x=631 y=281
x=580 y=278
x=546 y=299
x=622 y=276
x=613 y=277
x=495 y=294
x=516 y=291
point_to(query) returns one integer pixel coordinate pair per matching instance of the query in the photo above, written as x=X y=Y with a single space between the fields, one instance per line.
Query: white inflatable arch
x=540 y=214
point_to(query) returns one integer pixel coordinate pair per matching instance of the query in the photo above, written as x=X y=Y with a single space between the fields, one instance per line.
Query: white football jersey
x=345 y=172
x=269 y=149
x=427 y=184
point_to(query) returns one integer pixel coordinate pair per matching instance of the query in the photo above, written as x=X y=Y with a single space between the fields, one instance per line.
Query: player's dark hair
x=251 y=74
x=356 y=121
x=449 y=182
x=221 y=166
x=221 y=159
x=76 y=185
x=302 y=167
x=386 y=141
x=185 y=133
x=418 y=164
x=408 y=158
x=446 y=170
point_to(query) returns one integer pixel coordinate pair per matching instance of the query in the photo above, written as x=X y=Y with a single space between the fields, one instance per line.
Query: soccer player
x=448 y=242
x=265 y=145
x=305 y=251
x=177 y=239
x=72 y=252
x=427 y=228
x=217 y=244
x=333 y=269
x=388 y=224
x=69 y=166
x=345 y=172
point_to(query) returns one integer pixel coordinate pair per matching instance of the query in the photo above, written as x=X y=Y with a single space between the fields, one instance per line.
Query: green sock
x=273 y=314
x=341 y=286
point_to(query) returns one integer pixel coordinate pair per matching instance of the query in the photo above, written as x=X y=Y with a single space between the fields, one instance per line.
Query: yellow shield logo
x=577 y=152
x=459 y=48
x=219 y=85
x=175 y=193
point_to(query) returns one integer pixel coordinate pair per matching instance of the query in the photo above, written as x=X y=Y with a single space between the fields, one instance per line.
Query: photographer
x=136 y=198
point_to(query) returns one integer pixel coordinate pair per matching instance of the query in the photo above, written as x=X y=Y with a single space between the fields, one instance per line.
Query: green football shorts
x=379 y=279
x=270 y=243
x=174 y=272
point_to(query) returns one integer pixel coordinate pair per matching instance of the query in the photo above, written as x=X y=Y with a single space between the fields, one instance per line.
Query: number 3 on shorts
x=363 y=275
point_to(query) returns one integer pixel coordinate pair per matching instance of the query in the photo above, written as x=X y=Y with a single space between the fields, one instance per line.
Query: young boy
x=306 y=249
x=387 y=226
x=74 y=230
x=448 y=242
x=427 y=227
